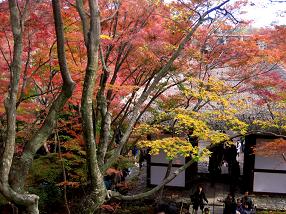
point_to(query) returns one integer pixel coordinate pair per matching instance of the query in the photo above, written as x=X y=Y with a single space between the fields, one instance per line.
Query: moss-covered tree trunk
x=14 y=171
x=26 y=200
x=92 y=38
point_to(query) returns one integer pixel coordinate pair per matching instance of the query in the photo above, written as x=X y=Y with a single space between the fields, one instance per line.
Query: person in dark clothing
x=246 y=200
x=246 y=210
x=135 y=151
x=234 y=170
x=172 y=208
x=165 y=209
x=108 y=181
x=161 y=209
x=239 y=207
x=198 y=199
x=215 y=162
x=125 y=172
x=229 y=205
x=142 y=157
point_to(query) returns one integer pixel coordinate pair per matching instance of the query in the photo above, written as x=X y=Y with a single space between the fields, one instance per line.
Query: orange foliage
x=69 y=183
x=275 y=147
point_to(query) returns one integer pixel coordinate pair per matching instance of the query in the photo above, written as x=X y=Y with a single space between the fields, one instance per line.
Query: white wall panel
x=158 y=173
x=272 y=163
x=269 y=182
x=161 y=158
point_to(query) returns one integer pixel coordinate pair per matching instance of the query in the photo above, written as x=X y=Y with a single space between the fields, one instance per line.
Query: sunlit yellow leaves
x=104 y=36
x=171 y=146
x=229 y=119
x=203 y=131
x=263 y=124
x=145 y=129
x=186 y=122
x=217 y=137
x=211 y=90
x=174 y=147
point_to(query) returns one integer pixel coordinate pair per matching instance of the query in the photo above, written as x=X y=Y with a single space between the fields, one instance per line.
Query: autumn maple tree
x=91 y=69
x=13 y=172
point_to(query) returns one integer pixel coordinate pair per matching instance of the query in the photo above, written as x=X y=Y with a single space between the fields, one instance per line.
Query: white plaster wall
x=273 y=162
x=269 y=182
x=158 y=173
x=161 y=158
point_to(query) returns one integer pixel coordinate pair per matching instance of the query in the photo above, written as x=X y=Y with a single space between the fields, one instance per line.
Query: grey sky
x=262 y=12
x=265 y=12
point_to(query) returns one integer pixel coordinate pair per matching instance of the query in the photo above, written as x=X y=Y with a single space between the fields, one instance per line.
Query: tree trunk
x=168 y=172
x=105 y=129
x=26 y=200
x=16 y=175
x=98 y=191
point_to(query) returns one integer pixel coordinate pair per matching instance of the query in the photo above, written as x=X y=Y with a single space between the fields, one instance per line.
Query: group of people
x=242 y=205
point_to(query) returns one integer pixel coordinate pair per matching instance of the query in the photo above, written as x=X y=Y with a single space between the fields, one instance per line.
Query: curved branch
x=83 y=17
x=155 y=189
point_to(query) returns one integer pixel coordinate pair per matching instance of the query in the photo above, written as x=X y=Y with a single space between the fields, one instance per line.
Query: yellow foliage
x=186 y=122
x=222 y=108
x=266 y=124
x=145 y=129
x=104 y=36
x=217 y=137
x=173 y=147
x=211 y=90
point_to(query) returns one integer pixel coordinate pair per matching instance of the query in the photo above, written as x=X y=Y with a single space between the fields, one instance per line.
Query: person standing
x=229 y=205
x=142 y=157
x=246 y=200
x=239 y=207
x=166 y=209
x=198 y=199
